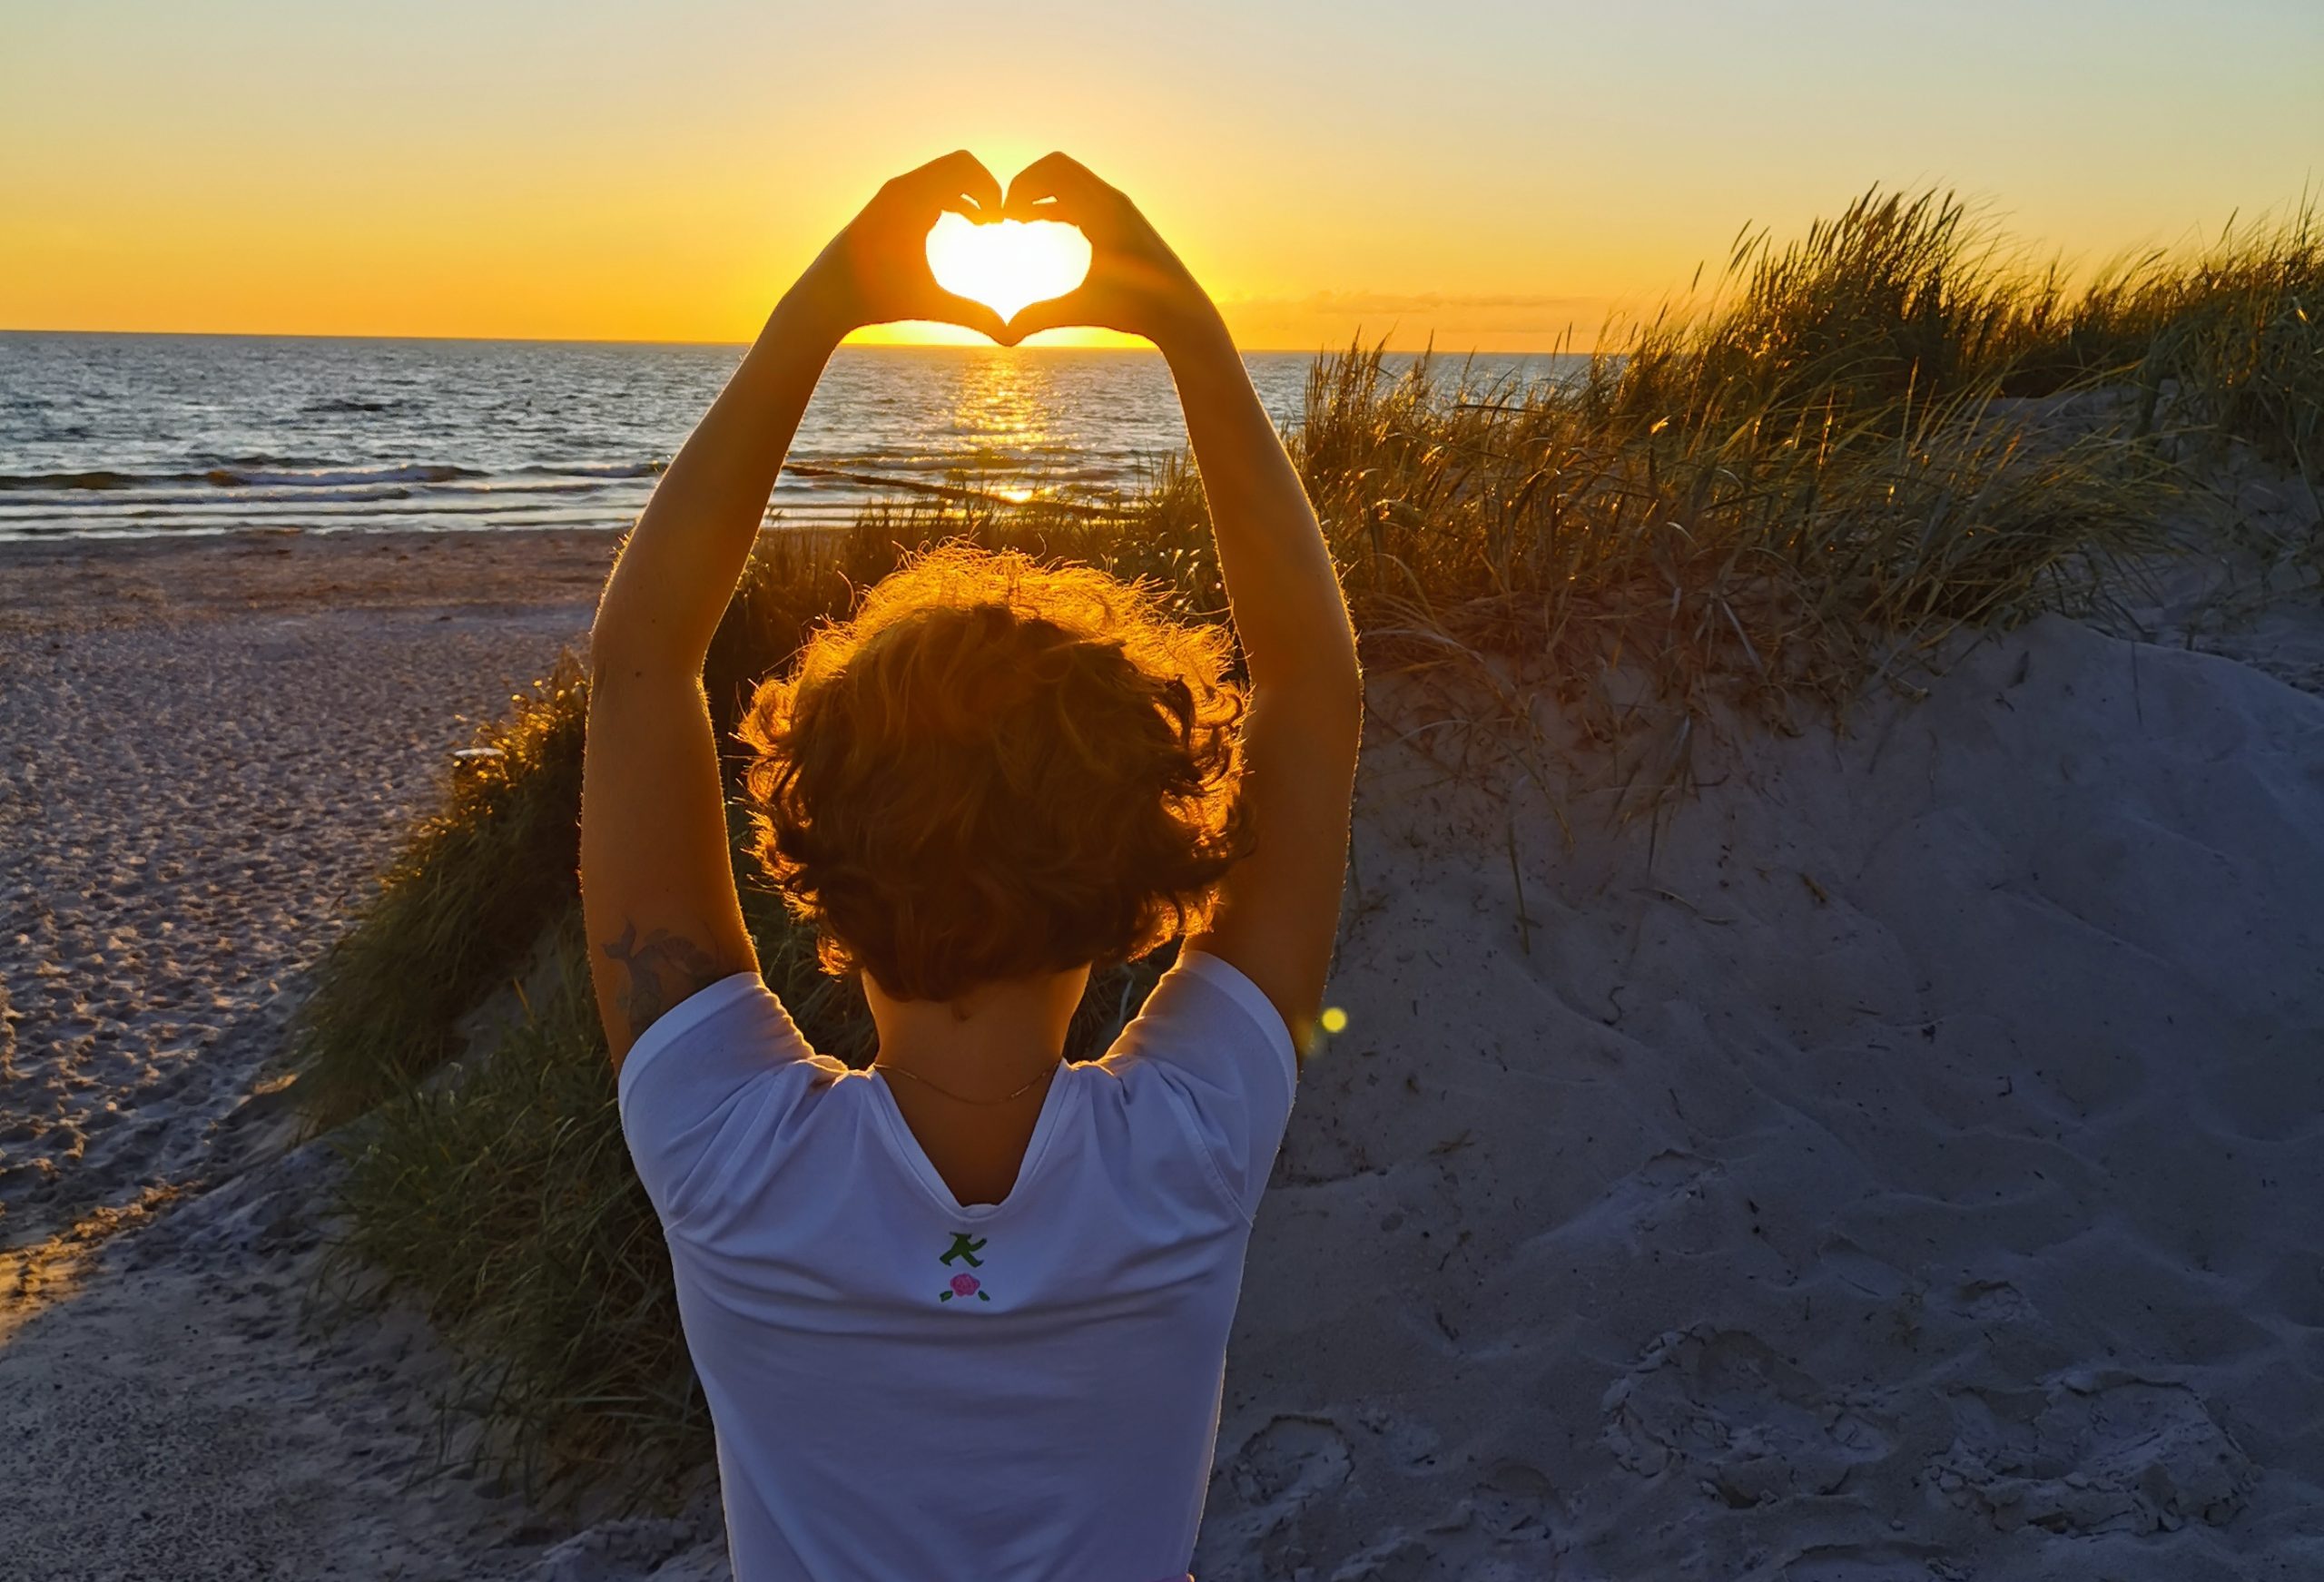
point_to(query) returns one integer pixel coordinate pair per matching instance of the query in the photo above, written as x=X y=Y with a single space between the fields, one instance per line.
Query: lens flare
x=1007 y=264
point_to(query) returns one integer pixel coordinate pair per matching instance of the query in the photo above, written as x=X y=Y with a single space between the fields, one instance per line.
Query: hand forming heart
x=885 y=266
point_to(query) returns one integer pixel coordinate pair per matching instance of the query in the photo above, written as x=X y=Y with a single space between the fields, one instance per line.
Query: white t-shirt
x=907 y=1390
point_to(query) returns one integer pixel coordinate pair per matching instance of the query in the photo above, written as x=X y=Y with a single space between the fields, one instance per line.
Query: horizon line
x=1319 y=350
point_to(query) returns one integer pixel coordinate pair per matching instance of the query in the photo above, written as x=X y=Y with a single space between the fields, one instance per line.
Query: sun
x=1007 y=264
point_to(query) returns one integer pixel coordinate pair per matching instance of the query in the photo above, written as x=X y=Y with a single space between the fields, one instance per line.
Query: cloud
x=1494 y=320
x=1417 y=301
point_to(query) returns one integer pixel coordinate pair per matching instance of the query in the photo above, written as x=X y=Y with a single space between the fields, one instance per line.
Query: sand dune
x=1911 y=1170
x=1901 y=1163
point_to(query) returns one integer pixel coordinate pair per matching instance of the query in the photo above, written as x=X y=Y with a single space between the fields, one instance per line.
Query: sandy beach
x=1899 y=1161
x=211 y=746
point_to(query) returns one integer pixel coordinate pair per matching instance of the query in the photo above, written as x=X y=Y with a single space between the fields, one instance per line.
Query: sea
x=130 y=436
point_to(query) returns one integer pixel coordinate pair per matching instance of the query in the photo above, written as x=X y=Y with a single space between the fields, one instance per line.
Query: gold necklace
x=963 y=1098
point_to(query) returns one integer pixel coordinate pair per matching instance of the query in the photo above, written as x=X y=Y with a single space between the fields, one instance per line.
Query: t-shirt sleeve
x=699 y=1082
x=1217 y=1041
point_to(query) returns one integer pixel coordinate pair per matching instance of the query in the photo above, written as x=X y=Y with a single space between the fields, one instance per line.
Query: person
x=963 y=1313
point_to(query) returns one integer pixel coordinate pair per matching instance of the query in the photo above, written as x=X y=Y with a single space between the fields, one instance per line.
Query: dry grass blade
x=1886 y=434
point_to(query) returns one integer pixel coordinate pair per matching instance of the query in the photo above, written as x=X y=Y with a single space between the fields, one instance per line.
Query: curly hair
x=994 y=769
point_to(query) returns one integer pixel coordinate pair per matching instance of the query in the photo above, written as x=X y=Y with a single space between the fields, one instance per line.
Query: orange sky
x=1492 y=174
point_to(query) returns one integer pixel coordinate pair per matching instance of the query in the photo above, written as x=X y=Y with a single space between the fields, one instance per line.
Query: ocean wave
x=352 y=404
x=209 y=501
x=267 y=461
x=610 y=470
x=239 y=478
x=70 y=480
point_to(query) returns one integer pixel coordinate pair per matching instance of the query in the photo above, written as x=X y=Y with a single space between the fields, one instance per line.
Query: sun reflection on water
x=1003 y=401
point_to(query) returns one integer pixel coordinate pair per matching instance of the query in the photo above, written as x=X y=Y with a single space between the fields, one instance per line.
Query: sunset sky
x=1495 y=174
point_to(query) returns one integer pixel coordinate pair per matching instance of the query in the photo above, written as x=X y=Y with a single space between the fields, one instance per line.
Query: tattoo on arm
x=663 y=968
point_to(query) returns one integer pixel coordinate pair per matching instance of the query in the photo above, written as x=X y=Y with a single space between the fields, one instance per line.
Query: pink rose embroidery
x=965 y=1285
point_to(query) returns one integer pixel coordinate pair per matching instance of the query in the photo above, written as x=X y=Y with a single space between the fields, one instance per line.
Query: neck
x=985 y=1044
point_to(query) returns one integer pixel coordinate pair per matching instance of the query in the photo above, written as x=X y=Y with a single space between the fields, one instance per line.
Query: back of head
x=996 y=769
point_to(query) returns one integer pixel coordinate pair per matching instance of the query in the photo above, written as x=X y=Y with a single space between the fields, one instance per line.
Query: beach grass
x=478 y=881
x=505 y=1203
x=1878 y=436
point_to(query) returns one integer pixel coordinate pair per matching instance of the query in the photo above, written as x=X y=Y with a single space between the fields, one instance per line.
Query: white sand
x=1905 y=1165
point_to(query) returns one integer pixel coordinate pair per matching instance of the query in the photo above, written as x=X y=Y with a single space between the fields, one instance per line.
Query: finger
x=1053 y=178
x=1069 y=311
x=961 y=174
x=1053 y=210
x=969 y=314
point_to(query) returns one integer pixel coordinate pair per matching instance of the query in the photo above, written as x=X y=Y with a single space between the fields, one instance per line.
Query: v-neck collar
x=915 y=1159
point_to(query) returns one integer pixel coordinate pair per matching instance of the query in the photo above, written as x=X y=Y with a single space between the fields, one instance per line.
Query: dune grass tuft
x=2238 y=337
x=1886 y=433
x=504 y=1203
x=456 y=912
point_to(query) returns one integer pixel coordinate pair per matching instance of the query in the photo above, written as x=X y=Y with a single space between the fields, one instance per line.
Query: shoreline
x=81 y=583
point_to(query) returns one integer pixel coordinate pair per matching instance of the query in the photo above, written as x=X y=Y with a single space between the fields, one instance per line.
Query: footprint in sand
x=1272 y=1499
x=2092 y=1451
x=1750 y=1426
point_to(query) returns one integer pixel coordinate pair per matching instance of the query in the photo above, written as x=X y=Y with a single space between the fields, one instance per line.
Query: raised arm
x=1278 y=911
x=657 y=879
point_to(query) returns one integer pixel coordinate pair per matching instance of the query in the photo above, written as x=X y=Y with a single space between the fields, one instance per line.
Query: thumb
x=971 y=314
x=1049 y=313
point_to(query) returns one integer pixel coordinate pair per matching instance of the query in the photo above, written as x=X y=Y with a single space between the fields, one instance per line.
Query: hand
x=876 y=270
x=1135 y=284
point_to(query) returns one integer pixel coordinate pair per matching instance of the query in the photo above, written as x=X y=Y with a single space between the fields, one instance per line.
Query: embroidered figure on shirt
x=965 y=1247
